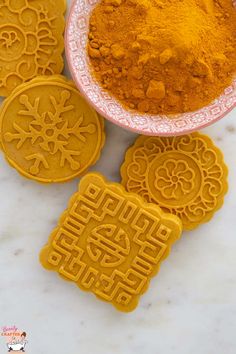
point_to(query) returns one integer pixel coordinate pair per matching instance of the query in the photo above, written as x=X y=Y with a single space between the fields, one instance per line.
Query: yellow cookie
x=31 y=40
x=184 y=175
x=48 y=132
x=110 y=242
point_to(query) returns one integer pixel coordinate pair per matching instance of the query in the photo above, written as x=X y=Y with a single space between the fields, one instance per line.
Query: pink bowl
x=110 y=108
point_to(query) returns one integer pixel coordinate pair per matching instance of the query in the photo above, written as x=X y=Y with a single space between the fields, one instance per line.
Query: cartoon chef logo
x=15 y=339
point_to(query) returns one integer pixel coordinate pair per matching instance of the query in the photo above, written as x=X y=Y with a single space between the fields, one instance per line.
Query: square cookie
x=110 y=242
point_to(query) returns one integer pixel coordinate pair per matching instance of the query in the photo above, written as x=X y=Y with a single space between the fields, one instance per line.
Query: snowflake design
x=50 y=131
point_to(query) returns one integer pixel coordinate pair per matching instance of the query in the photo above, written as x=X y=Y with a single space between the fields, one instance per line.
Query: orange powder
x=163 y=56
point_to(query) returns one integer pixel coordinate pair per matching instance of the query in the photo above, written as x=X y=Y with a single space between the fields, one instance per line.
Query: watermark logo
x=15 y=339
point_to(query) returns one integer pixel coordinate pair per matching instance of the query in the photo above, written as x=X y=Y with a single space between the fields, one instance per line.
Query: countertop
x=189 y=308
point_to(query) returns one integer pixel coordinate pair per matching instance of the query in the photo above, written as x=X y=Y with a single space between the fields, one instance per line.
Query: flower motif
x=184 y=175
x=174 y=179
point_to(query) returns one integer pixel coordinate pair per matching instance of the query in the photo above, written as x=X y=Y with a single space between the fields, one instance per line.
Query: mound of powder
x=163 y=56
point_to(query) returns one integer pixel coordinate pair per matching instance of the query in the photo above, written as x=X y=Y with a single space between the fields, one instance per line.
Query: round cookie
x=48 y=132
x=31 y=41
x=184 y=175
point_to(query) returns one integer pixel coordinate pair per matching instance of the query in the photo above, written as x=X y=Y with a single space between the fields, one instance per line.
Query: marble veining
x=189 y=308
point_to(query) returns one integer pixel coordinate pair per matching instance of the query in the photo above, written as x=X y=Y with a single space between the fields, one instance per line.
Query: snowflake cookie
x=184 y=175
x=110 y=242
x=48 y=132
x=31 y=40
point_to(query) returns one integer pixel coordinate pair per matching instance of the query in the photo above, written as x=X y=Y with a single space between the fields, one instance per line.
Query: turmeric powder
x=163 y=56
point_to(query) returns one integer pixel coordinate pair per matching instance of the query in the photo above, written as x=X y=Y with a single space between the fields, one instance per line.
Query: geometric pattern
x=110 y=242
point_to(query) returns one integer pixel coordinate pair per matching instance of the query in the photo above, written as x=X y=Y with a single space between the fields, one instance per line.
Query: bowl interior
x=110 y=108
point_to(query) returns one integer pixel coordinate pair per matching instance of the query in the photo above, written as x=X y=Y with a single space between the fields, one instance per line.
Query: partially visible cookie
x=48 y=132
x=110 y=242
x=184 y=175
x=31 y=40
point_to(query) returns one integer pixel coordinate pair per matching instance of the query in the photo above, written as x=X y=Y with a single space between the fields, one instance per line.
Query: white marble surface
x=189 y=308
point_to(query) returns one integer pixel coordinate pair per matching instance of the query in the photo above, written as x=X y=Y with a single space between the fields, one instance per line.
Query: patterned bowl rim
x=187 y=128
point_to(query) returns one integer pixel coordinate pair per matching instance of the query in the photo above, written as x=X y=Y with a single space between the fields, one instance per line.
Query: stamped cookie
x=48 y=132
x=184 y=175
x=110 y=242
x=31 y=40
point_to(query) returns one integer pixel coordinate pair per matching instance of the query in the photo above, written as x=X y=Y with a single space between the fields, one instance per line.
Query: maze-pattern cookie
x=48 y=132
x=184 y=175
x=110 y=242
x=31 y=40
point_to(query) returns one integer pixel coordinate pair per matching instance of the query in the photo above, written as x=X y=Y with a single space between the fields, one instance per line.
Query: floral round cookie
x=184 y=175
x=48 y=132
x=31 y=40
